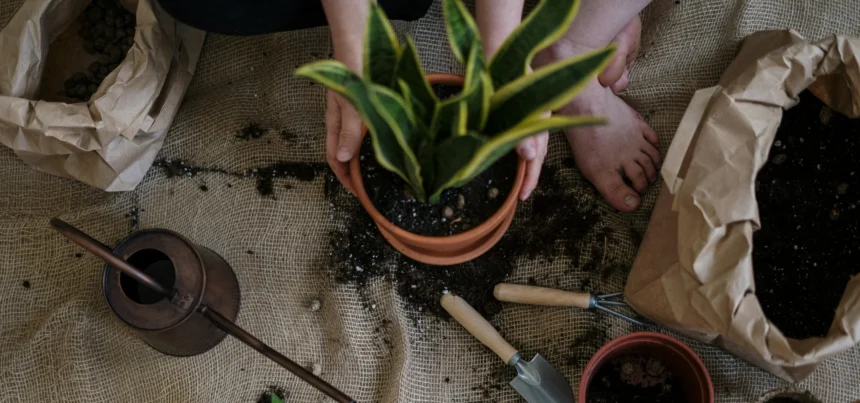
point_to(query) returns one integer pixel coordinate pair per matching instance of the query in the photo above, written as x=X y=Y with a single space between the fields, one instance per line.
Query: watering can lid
x=188 y=287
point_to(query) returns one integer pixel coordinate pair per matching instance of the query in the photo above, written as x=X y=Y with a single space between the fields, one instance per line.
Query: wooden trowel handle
x=531 y=295
x=478 y=326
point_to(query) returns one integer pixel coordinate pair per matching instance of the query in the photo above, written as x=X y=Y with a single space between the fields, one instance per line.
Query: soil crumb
x=266 y=175
x=458 y=210
x=635 y=378
x=252 y=131
x=808 y=194
x=26 y=284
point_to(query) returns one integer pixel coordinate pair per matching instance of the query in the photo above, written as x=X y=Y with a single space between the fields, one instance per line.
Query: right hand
x=343 y=137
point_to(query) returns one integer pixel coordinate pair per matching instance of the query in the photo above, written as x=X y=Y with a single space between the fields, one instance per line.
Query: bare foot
x=623 y=148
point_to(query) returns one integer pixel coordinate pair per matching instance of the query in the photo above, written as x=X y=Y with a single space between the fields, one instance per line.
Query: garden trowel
x=536 y=381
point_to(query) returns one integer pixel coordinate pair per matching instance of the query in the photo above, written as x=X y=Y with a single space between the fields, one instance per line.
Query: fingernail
x=631 y=201
x=344 y=155
x=525 y=195
x=529 y=152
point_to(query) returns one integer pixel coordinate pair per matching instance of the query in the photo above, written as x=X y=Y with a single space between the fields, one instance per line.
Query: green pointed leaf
x=409 y=70
x=475 y=94
x=546 y=89
x=275 y=399
x=462 y=31
x=545 y=25
x=450 y=157
x=343 y=81
x=381 y=49
x=403 y=125
x=460 y=159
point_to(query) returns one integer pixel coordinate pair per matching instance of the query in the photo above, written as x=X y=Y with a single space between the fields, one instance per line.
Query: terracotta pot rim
x=485 y=227
x=633 y=338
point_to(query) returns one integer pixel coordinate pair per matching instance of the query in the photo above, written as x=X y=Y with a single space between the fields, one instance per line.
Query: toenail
x=631 y=201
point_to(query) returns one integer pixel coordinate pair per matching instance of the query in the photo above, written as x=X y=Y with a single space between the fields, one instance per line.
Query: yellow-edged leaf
x=545 y=89
x=381 y=49
x=545 y=25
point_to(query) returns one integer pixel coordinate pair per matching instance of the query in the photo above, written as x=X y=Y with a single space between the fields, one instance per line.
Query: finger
x=622 y=82
x=644 y=161
x=527 y=149
x=530 y=183
x=350 y=133
x=333 y=120
x=633 y=31
x=636 y=175
x=614 y=70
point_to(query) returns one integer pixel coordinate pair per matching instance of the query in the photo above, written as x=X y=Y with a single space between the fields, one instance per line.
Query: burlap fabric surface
x=59 y=342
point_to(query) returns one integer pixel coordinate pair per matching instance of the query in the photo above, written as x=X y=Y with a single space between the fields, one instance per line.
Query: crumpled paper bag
x=694 y=269
x=110 y=141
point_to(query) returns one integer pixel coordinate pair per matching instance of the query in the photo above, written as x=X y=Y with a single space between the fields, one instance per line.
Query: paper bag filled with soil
x=88 y=89
x=755 y=239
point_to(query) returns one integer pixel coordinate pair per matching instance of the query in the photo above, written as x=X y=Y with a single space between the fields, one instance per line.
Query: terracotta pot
x=445 y=250
x=677 y=357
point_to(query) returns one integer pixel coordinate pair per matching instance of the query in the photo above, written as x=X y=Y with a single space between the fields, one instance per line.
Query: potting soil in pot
x=808 y=192
x=458 y=209
x=635 y=378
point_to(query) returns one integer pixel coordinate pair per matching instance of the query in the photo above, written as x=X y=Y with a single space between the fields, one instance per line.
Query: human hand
x=343 y=137
x=628 y=40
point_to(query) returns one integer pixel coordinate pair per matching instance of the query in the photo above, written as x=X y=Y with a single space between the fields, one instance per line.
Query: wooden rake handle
x=531 y=295
x=475 y=324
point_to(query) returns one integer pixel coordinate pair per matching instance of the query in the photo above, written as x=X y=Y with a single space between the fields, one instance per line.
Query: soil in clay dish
x=807 y=248
x=458 y=210
x=635 y=378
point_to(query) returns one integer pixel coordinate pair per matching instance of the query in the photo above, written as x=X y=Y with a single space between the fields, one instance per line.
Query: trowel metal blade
x=538 y=382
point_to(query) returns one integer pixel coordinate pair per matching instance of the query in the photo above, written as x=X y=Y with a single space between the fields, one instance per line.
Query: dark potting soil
x=808 y=192
x=635 y=378
x=361 y=255
x=458 y=210
x=445 y=91
x=783 y=399
x=107 y=30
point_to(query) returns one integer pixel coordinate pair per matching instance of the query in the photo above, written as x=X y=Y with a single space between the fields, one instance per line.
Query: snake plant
x=437 y=144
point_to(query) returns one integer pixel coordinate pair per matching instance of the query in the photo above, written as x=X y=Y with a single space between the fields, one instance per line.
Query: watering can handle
x=478 y=326
x=531 y=295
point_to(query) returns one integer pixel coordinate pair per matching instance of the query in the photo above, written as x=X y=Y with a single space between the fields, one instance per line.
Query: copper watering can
x=180 y=298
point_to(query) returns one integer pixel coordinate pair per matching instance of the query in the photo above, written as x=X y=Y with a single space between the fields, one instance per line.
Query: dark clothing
x=254 y=17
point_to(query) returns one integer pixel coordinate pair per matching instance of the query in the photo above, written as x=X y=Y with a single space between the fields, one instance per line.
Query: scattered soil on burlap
x=266 y=397
x=252 y=131
x=107 y=30
x=807 y=249
x=361 y=255
x=635 y=378
x=458 y=209
x=783 y=399
x=265 y=176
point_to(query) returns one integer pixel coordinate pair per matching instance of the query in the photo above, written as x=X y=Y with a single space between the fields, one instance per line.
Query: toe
x=634 y=172
x=650 y=134
x=612 y=187
x=644 y=161
x=652 y=152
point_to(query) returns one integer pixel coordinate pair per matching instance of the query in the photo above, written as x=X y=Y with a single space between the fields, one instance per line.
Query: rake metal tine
x=619 y=315
x=608 y=296
x=612 y=303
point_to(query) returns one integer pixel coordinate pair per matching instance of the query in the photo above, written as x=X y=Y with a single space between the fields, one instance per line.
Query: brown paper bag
x=694 y=269
x=111 y=141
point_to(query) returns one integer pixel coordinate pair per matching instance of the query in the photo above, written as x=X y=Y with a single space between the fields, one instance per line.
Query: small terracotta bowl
x=677 y=357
